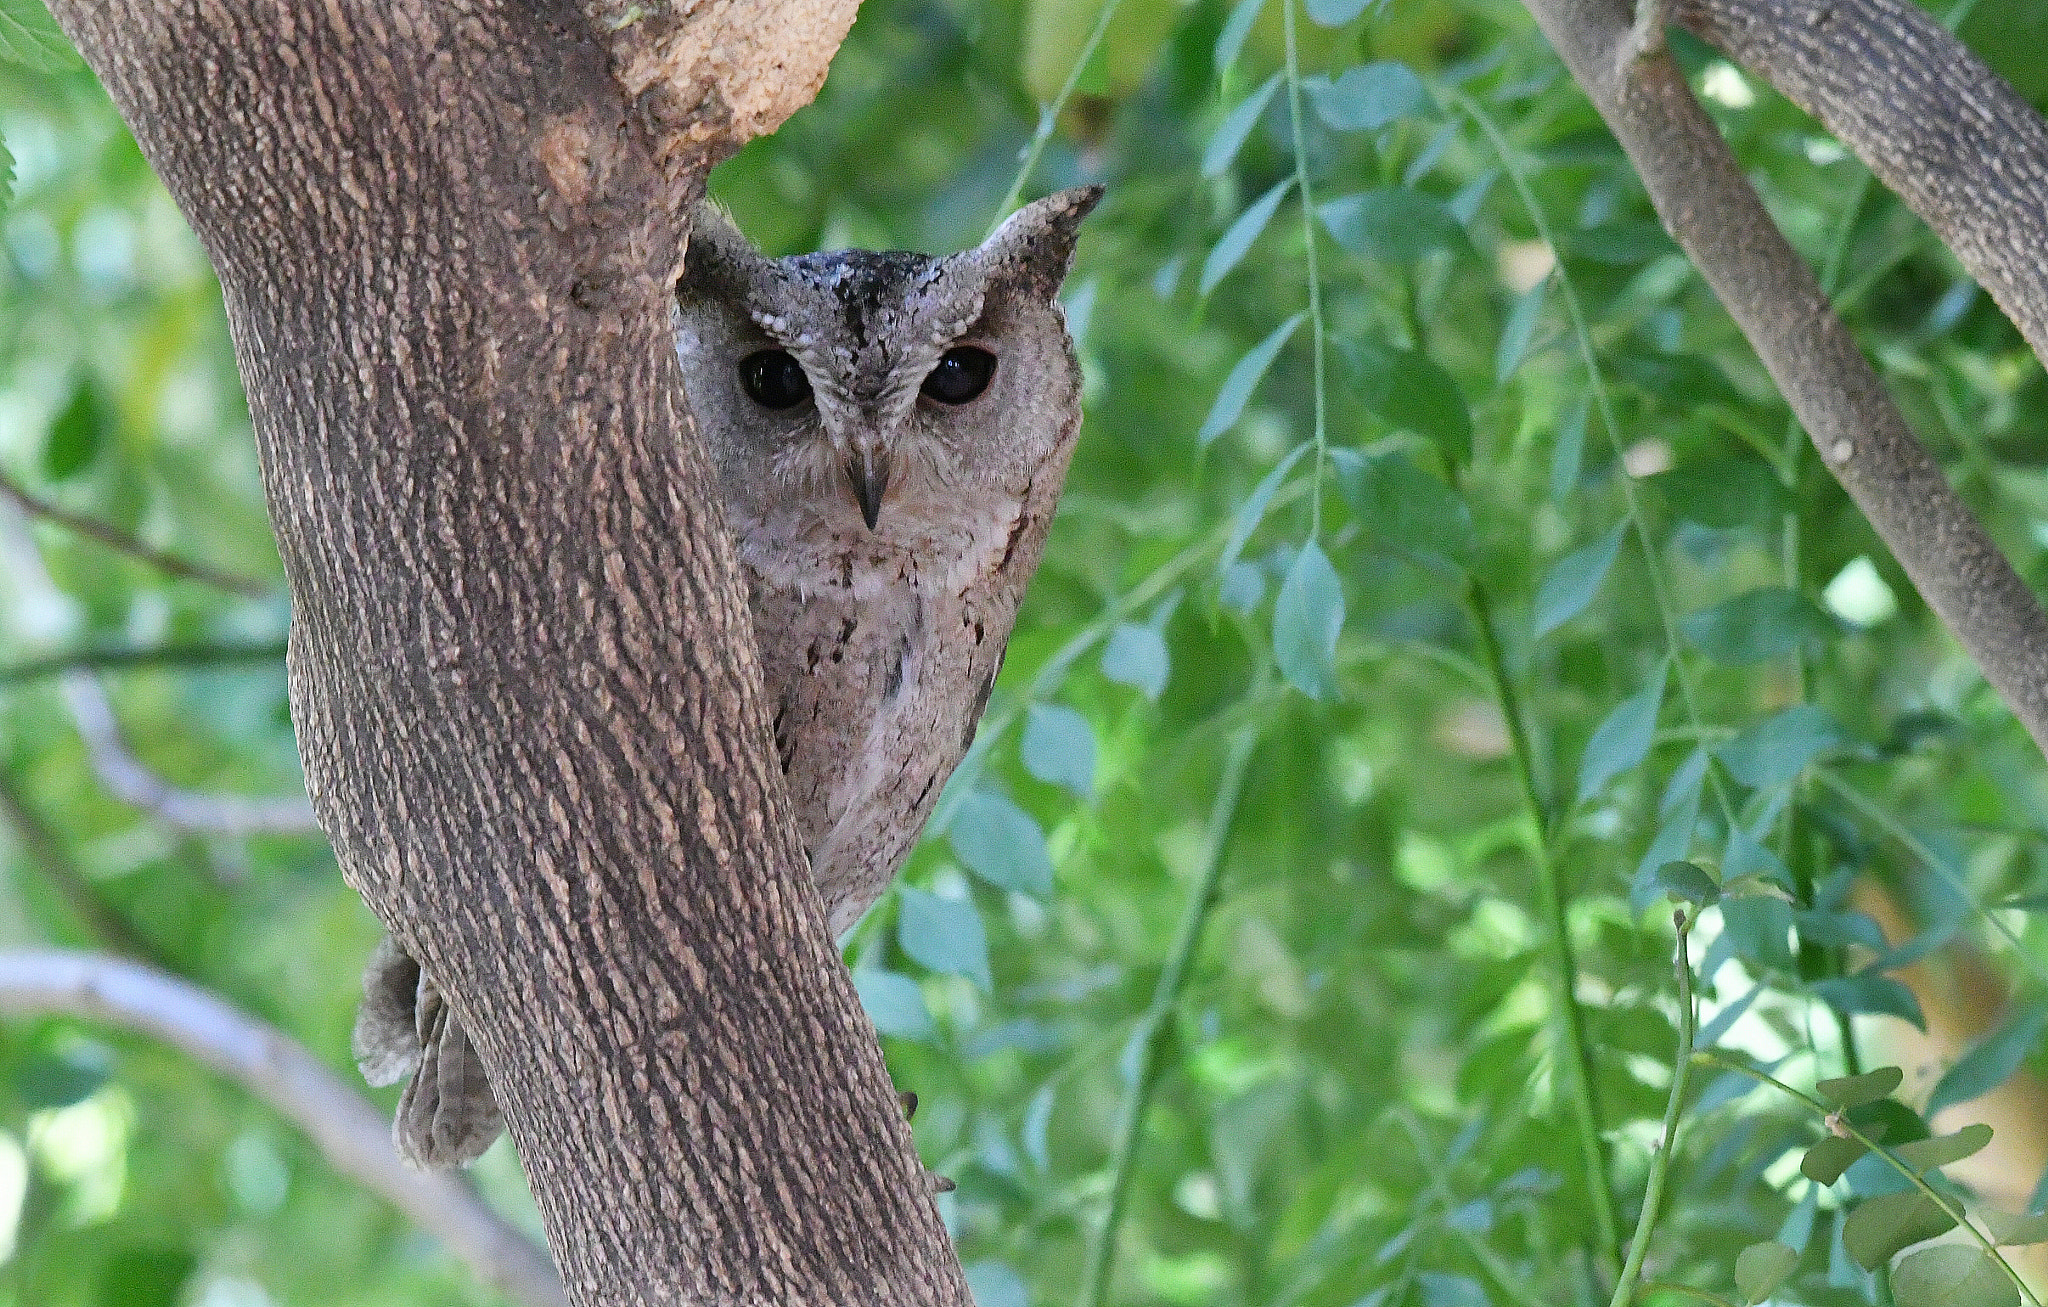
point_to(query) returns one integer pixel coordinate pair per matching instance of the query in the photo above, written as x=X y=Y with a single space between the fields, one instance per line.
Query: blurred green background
x=1356 y=1093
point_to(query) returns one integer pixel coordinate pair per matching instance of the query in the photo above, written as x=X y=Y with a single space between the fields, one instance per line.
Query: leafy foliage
x=1539 y=610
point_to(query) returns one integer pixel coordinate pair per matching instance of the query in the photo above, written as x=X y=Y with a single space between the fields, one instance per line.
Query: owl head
x=853 y=386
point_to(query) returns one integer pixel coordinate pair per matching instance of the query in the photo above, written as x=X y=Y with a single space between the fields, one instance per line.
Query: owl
x=890 y=433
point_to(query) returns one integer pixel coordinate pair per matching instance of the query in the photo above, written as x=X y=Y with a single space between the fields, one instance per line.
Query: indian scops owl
x=890 y=433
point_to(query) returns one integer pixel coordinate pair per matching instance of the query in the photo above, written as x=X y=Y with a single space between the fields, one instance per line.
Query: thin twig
x=128 y=657
x=108 y=928
x=1154 y=1024
x=1048 y=115
x=121 y=542
x=1308 y=238
x=349 y=1131
x=1660 y=1161
x=1577 y=1050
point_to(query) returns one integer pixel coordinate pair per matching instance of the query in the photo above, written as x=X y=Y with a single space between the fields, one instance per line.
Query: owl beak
x=869 y=473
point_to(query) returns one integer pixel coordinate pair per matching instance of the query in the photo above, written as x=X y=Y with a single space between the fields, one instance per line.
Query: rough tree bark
x=1711 y=210
x=522 y=671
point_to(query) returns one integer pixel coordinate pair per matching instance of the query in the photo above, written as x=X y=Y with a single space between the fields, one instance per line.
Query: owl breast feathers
x=890 y=434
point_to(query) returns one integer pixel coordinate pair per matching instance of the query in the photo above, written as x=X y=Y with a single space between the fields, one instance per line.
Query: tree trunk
x=521 y=665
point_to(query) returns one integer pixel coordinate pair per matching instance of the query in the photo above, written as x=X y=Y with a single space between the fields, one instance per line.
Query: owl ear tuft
x=719 y=261
x=1035 y=245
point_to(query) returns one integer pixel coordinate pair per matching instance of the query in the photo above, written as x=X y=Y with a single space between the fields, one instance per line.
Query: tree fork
x=522 y=669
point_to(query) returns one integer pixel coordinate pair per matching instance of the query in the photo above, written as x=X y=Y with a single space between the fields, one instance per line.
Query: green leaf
x=1335 y=13
x=1243 y=379
x=2008 y=1228
x=1059 y=748
x=1991 y=1060
x=1253 y=510
x=1000 y=843
x=1369 y=97
x=76 y=434
x=1775 y=750
x=1237 y=242
x=1924 y=1155
x=144 y=1275
x=1308 y=616
x=1136 y=656
x=1762 y=1267
x=1853 y=1091
x=1393 y=225
x=1236 y=126
x=893 y=1002
x=945 y=935
x=1409 y=392
x=1567 y=459
x=1623 y=740
x=1952 y=1275
x=1884 y=1225
x=29 y=36
x=1688 y=882
x=1230 y=42
x=1572 y=582
x=1517 y=333
x=1826 y=1160
x=1725 y=493
x=1761 y=624
x=1404 y=508
x=1868 y=992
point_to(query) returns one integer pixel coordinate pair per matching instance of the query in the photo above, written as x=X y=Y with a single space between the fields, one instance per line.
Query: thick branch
x=349 y=1130
x=522 y=667
x=1937 y=126
x=1713 y=213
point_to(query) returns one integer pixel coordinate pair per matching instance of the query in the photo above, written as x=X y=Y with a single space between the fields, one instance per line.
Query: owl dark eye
x=963 y=372
x=773 y=379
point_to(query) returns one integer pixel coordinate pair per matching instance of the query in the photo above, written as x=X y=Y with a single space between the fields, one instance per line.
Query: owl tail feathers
x=1035 y=245
x=447 y=1115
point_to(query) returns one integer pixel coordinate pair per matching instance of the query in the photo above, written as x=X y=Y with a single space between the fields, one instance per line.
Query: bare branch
x=127 y=777
x=40 y=845
x=1951 y=137
x=121 y=542
x=349 y=1131
x=120 y=657
x=1710 y=209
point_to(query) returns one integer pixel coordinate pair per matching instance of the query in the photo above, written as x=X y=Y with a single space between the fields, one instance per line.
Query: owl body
x=890 y=433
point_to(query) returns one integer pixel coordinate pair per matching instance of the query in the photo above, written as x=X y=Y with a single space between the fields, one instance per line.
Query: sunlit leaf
x=1059 y=748
x=1623 y=739
x=1308 y=616
x=1231 y=133
x=1136 y=656
x=893 y=1002
x=1001 y=843
x=1243 y=379
x=1762 y=1267
x=1888 y=1223
x=1925 y=1155
x=1571 y=583
x=1851 y=1091
x=1230 y=42
x=1992 y=1059
x=76 y=434
x=1369 y=97
x=1952 y=1275
x=1237 y=241
x=1253 y=510
x=29 y=36
x=943 y=934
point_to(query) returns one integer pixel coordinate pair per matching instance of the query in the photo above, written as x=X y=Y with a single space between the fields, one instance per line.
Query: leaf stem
x=1660 y=1161
x=1049 y=115
x=1150 y=1037
x=1550 y=892
x=1839 y=1121
x=1308 y=239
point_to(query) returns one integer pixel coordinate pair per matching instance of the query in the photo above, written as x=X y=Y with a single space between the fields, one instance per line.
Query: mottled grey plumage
x=886 y=529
